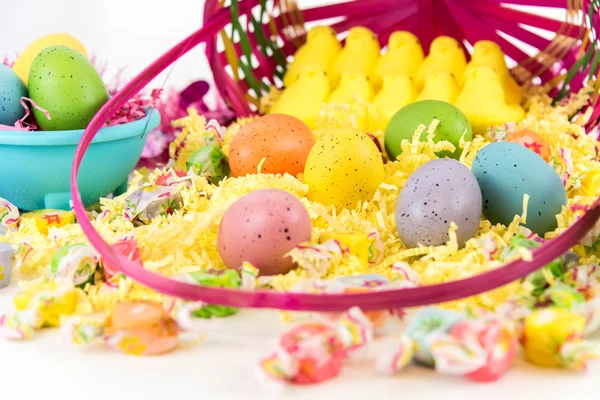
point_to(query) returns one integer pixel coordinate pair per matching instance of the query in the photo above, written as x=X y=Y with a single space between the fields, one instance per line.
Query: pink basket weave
x=247 y=44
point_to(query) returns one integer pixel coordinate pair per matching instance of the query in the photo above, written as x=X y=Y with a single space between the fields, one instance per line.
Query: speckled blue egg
x=438 y=193
x=506 y=172
x=12 y=89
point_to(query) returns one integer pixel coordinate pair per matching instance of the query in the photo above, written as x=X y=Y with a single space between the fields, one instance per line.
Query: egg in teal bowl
x=506 y=172
x=35 y=166
x=12 y=89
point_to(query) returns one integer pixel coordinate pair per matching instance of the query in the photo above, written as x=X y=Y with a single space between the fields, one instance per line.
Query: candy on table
x=482 y=100
x=303 y=99
x=397 y=353
x=360 y=53
x=210 y=162
x=481 y=350
x=225 y=278
x=141 y=328
x=356 y=243
x=45 y=219
x=532 y=141
x=308 y=353
x=404 y=56
x=553 y=337
x=150 y=202
x=321 y=48
x=445 y=54
x=6 y=260
x=76 y=263
x=426 y=325
x=9 y=216
x=364 y=284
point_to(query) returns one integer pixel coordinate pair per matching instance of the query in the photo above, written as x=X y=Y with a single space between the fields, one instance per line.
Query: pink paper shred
x=22 y=125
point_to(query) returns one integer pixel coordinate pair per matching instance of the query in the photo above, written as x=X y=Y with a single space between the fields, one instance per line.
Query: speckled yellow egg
x=343 y=168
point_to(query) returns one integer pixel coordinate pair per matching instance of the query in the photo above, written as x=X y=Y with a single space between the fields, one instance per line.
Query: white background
x=133 y=33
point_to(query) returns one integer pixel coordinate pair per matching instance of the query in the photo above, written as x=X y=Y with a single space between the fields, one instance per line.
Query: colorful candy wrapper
x=210 y=162
x=317 y=258
x=127 y=247
x=356 y=243
x=406 y=273
x=20 y=325
x=44 y=219
x=553 y=337
x=355 y=330
x=426 y=325
x=150 y=202
x=363 y=284
x=6 y=261
x=590 y=310
x=225 y=278
x=173 y=178
x=375 y=246
x=249 y=275
x=77 y=262
x=9 y=216
x=562 y=296
x=396 y=353
x=83 y=331
x=308 y=353
x=481 y=350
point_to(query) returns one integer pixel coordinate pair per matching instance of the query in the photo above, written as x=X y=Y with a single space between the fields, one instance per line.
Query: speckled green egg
x=65 y=83
x=506 y=172
x=453 y=124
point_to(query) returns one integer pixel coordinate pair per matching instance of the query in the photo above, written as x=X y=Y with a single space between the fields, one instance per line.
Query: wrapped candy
x=150 y=202
x=397 y=353
x=45 y=219
x=128 y=248
x=76 y=262
x=481 y=350
x=315 y=351
x=532 y=141
x=6 y=257
x=172 y=178
x=366 y=283
x=210 y=162
x=308 y=353
x=9 y=216
x=562 y=296
x=136 y=328
x=356 y=243
x=226 y=278
x=427 y=324
x=553 y=337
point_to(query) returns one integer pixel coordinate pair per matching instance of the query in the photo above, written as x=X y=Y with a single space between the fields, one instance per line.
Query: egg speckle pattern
x=65 y=83
x=282 y=140
x=438 y=193
x=343 y=168
x=506 y=172
x=261 y=228
x=12 y=89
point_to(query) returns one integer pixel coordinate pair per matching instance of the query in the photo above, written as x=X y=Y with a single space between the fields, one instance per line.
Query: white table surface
x=223 y=367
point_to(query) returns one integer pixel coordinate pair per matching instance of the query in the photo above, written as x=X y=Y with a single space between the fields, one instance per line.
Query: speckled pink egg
x=261 y=228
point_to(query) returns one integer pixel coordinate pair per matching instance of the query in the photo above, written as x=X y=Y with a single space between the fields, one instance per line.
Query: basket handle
x=389 y=299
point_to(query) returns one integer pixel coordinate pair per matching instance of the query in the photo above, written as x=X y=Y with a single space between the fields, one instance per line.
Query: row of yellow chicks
x=483 y=88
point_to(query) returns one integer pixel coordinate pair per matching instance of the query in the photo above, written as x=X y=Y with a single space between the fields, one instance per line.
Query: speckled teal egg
x=12 y=89
x=65 y=83
x=453 y=124
x=505 y=173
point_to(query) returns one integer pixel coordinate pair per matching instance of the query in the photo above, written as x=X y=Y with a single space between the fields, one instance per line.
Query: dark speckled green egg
x=505 y=173
x=65 y=83
x=453 y=124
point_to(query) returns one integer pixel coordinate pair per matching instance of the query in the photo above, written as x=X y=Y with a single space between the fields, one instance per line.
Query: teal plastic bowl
x=35 y=167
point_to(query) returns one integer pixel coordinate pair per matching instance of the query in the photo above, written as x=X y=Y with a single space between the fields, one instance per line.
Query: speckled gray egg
x=438 y=193
x=261 y=228
x=506 y=172
x=12 y=89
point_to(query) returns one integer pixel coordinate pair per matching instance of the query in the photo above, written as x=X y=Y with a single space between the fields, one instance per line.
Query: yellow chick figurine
x=488 y=53
x=482 y=100
x=398 y=91
x=360 y=54
x=404 y=56
x=440 y=86
x=321 y=48
x=304 y=98
x=352 y=84
x=445 y=55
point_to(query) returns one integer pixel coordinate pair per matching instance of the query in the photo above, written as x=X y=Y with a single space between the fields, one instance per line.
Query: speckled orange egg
x=282 y=140
x=532 y=141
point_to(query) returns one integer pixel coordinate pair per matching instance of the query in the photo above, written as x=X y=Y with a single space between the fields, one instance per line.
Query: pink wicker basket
x=247 y=45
